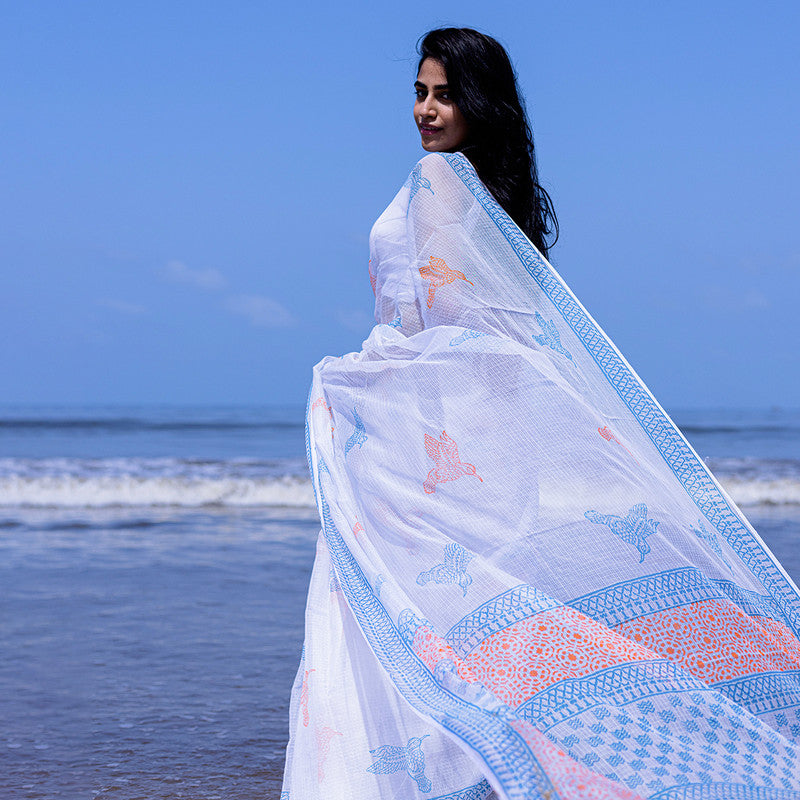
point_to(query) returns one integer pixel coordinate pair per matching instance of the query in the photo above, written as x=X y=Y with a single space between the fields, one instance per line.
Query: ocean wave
x=128 y=424
x=70 y=491
x=194 y=483
x=147 y=482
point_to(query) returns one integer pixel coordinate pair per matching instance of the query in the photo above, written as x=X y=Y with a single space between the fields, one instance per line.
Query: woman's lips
x=427 y=130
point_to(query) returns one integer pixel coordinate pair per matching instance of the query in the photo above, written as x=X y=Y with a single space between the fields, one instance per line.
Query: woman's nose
x=428 y=109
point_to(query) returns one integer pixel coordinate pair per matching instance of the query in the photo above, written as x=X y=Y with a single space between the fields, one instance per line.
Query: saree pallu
x=527 y=584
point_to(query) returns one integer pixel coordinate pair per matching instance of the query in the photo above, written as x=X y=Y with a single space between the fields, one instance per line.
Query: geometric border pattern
x=619 y=684
x=507 y=755
x=508 y=759
x=477 y=792
x=495 y=615
x=767 y=691
x=699 y=483
x=639 y=597
x=724 y=791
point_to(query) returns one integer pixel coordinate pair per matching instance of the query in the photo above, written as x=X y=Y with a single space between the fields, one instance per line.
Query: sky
x=187 y=189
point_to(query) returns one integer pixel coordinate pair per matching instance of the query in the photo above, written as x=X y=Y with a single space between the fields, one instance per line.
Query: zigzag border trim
x=687 y=467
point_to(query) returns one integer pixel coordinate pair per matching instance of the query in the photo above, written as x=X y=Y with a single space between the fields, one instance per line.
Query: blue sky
x=187 y=188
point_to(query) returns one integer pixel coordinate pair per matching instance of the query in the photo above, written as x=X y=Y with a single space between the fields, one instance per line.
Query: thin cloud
x=735 y=300
x=121 y=306
x=261 y=311
x=178 y=272
x=355 y=320
x=755 y=300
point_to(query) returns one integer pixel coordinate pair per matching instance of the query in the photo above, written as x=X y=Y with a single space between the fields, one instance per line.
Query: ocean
x=154 y=566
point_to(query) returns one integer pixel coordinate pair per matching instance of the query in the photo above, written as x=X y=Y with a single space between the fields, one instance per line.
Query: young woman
x=527 y=583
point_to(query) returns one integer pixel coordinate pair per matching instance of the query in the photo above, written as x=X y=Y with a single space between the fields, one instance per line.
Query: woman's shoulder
x=439 y=163
x=440 y=169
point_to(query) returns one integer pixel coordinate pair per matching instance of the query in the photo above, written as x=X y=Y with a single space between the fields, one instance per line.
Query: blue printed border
x=640 y=597
x=507 y=756
x=496 y=615
x=765 y=692
x=621 y=684
x=724 y=791
x=698 y=482
x=505 y=752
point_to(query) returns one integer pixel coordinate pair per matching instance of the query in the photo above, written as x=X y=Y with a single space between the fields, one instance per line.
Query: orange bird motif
x=438 y=273
x=607 y=434
x=320 y=403
x=448 y=465
x=304 y=697
x=372 y=276
x=324 y=736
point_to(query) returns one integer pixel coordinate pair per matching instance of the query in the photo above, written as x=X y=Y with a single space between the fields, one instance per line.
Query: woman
x=527 y=583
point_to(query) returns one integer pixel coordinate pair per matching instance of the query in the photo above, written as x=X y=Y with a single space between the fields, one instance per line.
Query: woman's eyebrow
x=438 y=86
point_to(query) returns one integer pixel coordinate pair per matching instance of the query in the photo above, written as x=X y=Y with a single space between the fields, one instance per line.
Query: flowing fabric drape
x=527 y=584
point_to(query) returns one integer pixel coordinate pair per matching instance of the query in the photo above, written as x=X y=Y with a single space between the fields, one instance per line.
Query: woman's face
x=441 y=125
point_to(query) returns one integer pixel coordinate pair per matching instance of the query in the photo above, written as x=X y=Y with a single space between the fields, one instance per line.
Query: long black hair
x=482 y=83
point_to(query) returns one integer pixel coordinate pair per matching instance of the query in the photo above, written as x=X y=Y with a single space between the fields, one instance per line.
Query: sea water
x=154 y=565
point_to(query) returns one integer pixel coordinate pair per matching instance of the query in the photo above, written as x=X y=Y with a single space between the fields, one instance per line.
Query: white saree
x=527 y=584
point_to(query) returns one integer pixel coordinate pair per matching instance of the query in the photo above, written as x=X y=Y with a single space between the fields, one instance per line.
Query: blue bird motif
x=633 y=528
x=452 y=570
x=549 y=337
x=390 y=758
x=710 y=538
x=358 y=436
x=418 y=182
x=463 y=337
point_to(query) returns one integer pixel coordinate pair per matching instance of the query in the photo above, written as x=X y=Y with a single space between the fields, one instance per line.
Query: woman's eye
x=419 y=94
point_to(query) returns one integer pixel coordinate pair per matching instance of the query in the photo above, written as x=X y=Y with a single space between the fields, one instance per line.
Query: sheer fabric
x=527 y=584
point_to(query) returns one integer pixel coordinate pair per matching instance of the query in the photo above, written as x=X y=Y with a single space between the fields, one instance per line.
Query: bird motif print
x=372 y=277
x=449 y=466
x=463 y=337
x=357 y=528
x=358 y=436
x=304 y=697
x=320 y=403
x=390 y=758
x=549 y=337
x=324 y=736
x=609 y=436
x=452 y=570
x=438 y=273
x=633 y=528
x=710 y=538
x=418 y=182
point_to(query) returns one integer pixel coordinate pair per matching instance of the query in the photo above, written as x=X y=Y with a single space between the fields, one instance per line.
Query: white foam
x=99 y=483
x=778 y=492
x=132 y=482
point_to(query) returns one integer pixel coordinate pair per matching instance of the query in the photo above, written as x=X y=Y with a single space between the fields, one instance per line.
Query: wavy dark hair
x=483 y=84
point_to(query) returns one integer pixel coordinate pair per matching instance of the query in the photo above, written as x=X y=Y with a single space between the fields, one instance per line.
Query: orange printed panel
x=716 y=641
x=551 y=646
